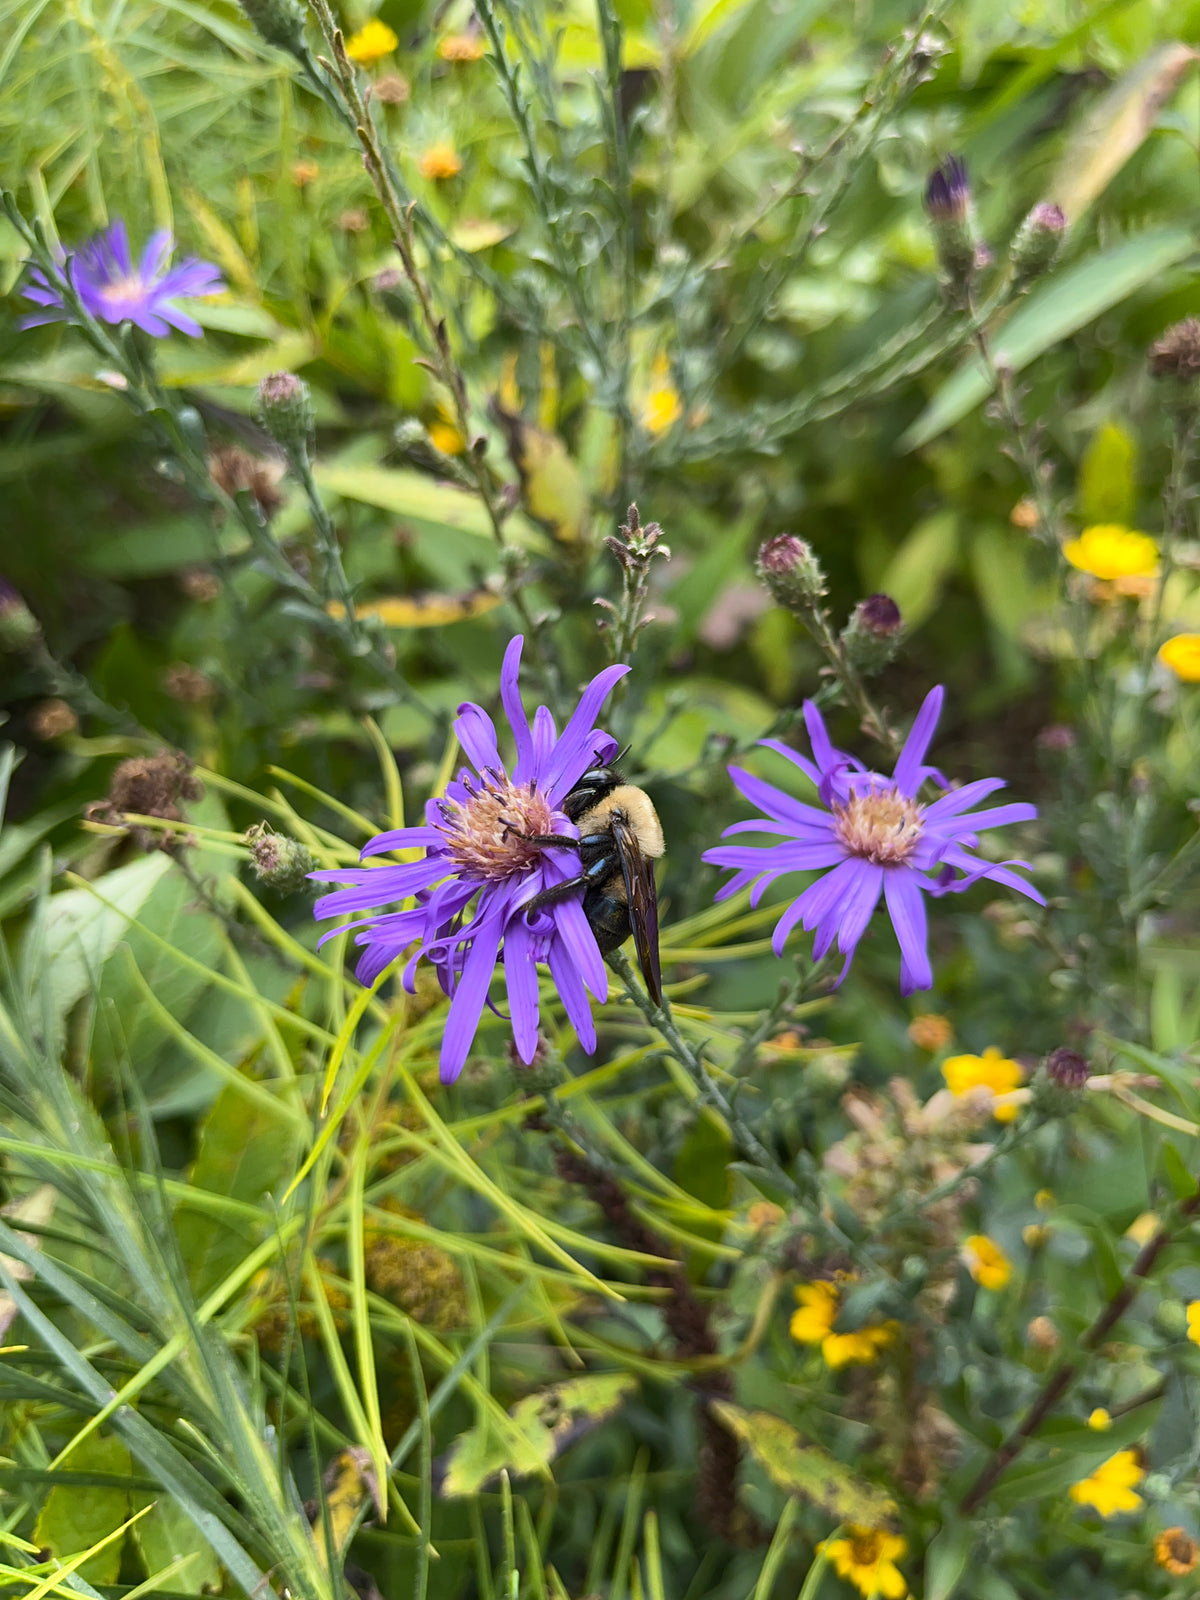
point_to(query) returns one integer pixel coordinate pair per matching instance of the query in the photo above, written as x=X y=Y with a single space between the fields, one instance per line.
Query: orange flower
x=440 y=161
x=930 y=1031
x=466 y=46
x=1177 y=1551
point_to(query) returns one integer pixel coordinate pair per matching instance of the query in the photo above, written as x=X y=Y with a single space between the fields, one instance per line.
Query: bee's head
x=591 y=788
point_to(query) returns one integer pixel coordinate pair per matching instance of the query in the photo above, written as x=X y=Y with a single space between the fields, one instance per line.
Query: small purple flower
x=474 y=852
x=113 y=289
x=877 y=838
x=948 y=192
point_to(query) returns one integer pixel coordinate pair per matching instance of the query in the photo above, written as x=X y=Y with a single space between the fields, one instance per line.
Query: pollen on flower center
x=484 y=833
x=883 y=826
x=119 y=290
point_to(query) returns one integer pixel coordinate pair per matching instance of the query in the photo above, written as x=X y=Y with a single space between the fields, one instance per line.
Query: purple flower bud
x=872 y=636
x=1177 y=354
x=948 y=192
x=1037 y=244
x=1067 y=1068
x=790 y=570
x=285 y=409
x=1056 y=738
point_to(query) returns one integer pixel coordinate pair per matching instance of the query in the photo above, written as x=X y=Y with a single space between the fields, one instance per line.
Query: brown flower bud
x=1067 y=1068
x=1177 y=354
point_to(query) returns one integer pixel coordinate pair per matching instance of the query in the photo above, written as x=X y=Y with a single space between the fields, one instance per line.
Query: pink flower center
x=119 y=291
x=883 y=826
x=484 y=834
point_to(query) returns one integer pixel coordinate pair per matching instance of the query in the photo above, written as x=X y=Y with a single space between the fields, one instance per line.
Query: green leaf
x=543 y=1424
x=805 y=1469
x=919 y=568
x=79 y=933
x=1108 y=476
x=702 y=1165
x=946 y=1559
x=166 y=1535
x=410 y=494
x=72 y=1519
x=245 y=1154
x=1065 y=303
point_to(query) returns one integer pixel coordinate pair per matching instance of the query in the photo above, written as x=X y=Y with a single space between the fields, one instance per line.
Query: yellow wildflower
x=1109 y=551
x=1142 y=1229
x=1034 y=1235
x=866 y=1557
x=303 y=173
x=991 y=1069
x=1182 y=655
x=371 y=43
x=466 y=46
x=1193 y=1316
x=439 y=161
x=444 y=436
x=663 y=407
x=813 y=1323
x=1099 y=1419
x=1177 y=1551
x=1111 y=1487
x=1044 y=1200
x=986 y=1262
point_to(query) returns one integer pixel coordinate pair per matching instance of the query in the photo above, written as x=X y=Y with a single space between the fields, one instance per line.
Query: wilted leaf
x=411 y=494
x=1115 y=126
x=349 y=1483
x=423 y=610
x=1107 y=486
x=36 y=1207
x=479 y=233
x=543 y=1426
x=806 y=1469
x=550 y=480
x=74 y=1519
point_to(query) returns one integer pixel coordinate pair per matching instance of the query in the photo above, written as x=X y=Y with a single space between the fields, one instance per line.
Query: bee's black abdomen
x=608 y=918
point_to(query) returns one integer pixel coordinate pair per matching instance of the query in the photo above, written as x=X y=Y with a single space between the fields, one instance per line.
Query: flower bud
x=872 y=636
x=283 y=864
x=285 y=410
x=790 y=570
x=18 y=626
x=949 y=208
x=1042 y=1334
x=1067 y=1068
x=1037 y=244
x=1176 y=356
x=279 y=22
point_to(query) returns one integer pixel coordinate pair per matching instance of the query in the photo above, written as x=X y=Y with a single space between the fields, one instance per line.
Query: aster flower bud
x=949 y=207
x=283 y=864
x=872 y=636
x=1037 y=244
x=790 y=570
x=18 y=626
x=1176 y=356
x=285 y=409
x=1067 y=1068
x=279 y=22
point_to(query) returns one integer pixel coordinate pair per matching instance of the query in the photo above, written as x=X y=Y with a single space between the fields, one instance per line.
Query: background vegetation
x=279 y=1312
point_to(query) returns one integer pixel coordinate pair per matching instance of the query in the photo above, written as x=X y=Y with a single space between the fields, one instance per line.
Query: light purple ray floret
x=475 y=879
x=870 y=836
x=114 y=288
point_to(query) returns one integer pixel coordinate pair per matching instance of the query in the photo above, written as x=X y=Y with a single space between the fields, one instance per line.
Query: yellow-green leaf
x=1115 y=126
x=551 y=482
x=542 y=1425
x=422 y=610
x=168 y=1538
x=1107 y=474
x=802 y=1468
x=411 y=494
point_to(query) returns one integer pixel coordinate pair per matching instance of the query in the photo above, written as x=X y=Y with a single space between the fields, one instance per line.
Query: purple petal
x=574 y=750
x=467 y=1005
x=520 y=978
x=861 y=899
x=116 y=244
x=808 y=856
x=906 y=907
x=822 y=897
x=192 y=279
x=999 y=816
x=806 y=767
x=975 y=870
x=573 y=995
x=545 y=737
x=784 y=926
x=579 y=943
x=957 y=800
x=156 y=254
x=778 y=804
x=908 y=774
x=823 y=751
x=403 y=839
x=514 y=709
x=476 y=732
x=178 y=319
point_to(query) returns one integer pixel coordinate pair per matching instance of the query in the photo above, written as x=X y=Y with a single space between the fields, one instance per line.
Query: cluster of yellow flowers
x=1129 y=562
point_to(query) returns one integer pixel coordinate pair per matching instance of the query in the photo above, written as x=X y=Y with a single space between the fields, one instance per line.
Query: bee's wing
x=642 y=897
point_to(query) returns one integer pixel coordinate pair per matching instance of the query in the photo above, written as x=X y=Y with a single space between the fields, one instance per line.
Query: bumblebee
x=620 y=838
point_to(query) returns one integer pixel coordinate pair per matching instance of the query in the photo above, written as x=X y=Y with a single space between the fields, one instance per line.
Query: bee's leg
x=593 y=873
x=544 y=839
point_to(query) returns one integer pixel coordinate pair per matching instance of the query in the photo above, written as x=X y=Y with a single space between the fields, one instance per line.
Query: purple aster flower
x=875 y=837
x=475 y=856
x=113 y=289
